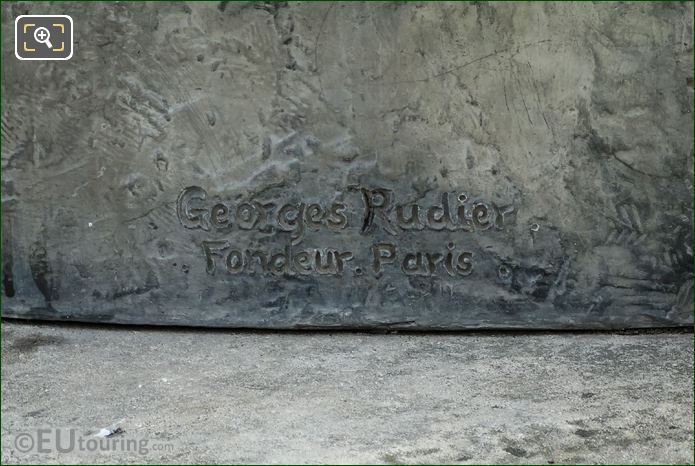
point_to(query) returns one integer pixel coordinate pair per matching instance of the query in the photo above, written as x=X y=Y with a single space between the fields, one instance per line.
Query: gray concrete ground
x=230 y=396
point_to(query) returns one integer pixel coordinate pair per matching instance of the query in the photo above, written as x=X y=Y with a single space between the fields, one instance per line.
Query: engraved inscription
x=374 y=210
x=194 y=213
x=423 y=263
x=324 y=261
x=379 y=209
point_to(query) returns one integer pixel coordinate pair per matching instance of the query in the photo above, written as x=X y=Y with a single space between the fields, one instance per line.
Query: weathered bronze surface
x=415 y=166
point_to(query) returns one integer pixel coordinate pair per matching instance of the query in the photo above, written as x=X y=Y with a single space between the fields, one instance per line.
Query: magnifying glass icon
x=42 y=36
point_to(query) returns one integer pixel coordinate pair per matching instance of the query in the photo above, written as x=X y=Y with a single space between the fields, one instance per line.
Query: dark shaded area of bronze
x=393 y=166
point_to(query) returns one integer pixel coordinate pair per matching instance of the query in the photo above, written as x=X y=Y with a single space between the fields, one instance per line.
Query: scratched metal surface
x=419 y=166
